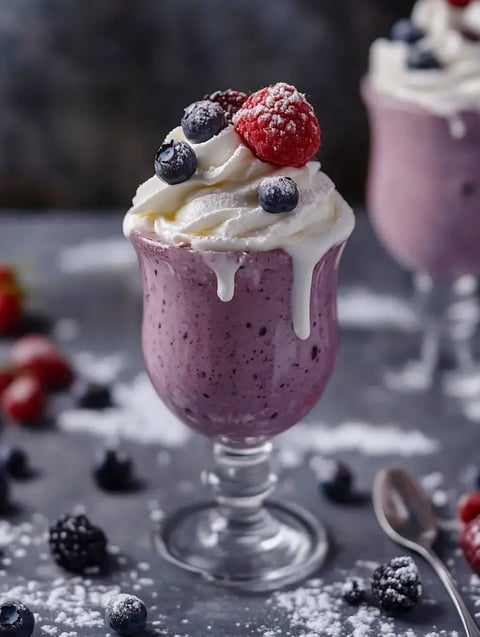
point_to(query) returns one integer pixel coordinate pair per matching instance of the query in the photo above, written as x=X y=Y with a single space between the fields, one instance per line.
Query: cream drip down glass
x=239 y=339
x=423 y=97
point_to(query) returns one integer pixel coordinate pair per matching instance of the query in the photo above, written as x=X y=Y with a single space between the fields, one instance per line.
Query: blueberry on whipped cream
x=203 y=120
x=278 y=194
x=406 y=31
x=422 y=60
x=175 y=162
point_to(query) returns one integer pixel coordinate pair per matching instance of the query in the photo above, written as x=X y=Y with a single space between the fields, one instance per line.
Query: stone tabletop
x=82 y=275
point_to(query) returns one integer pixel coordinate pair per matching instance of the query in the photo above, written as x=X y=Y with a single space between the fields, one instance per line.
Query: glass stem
x=449 y=314
x=241 y=480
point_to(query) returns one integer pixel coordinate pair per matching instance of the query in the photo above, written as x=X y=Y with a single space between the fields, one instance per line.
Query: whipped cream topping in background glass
x=449 y=91
x=217 y=211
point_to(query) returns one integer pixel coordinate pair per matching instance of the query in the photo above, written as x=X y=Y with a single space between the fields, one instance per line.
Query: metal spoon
x=406 y=515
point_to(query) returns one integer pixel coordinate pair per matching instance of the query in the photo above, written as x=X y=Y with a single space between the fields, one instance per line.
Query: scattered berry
x=470 y=543
x=10 y=312
x=6 y=378
x=175 y=162
x=23 y=401
x=459 y=3
x=90 y=395
x=396 y=585
x=4 y=493
x=419 y=60
x=203 y=120
x=14 y=461
x=126 y=614
x=406 y=31
x=353 y=592
x=16 y=619
x=469 y=507
x=279 y=125
x=37 y=356
x=278 y=194
x=335 y=479
x=113 y=470
x=230 y=100
x=76 y=544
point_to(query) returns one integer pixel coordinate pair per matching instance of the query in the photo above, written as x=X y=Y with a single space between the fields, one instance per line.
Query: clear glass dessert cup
x=237 y=373
x=423 y=199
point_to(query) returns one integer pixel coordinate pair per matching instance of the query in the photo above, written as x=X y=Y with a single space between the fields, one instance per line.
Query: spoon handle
x=471 y=628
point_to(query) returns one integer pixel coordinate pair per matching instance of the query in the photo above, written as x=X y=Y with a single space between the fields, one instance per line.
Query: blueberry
x=14 y=462
x=203 y=120
x=126 y=614
x=90 y=395
x=406 y=31
x=113 y=470
x=278 y=194
x=175 y=162
x=421 y=60
x=16 y=619
x=335 y=480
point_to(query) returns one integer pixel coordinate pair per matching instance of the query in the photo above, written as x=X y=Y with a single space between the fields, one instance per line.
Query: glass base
x=286 y=545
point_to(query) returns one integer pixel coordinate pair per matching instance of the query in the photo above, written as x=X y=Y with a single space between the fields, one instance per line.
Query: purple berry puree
x=424 y=187
x=234 y=371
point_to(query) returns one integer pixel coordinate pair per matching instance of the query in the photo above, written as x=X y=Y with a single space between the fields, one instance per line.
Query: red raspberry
x=230 y=100
x=469 y=507
x=470 y=543
x=10 y=312
x=459 y=3
x=8 y=279
x=279 y=125
x=6 y=377
x=37 y=356
x=23 y=400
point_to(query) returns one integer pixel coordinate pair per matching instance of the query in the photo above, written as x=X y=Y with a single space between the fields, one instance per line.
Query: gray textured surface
x=108 y=310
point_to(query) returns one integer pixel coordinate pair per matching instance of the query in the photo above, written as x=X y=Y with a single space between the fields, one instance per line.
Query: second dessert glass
x=237 y=372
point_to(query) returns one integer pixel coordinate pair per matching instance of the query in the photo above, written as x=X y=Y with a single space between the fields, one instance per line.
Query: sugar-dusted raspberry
x=469 y=507
x=459 y=3
x=470 y=543
x=230 y=100
x=279 y=125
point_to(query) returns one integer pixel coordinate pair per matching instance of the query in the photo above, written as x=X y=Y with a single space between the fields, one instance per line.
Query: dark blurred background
x=88 y=88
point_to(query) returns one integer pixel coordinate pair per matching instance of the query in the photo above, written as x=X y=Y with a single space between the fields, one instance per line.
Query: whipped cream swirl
x=449 y=91
x=217 y=211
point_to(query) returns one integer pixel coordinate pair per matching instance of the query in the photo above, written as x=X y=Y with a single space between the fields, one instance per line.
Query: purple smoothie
x=424 y=187
x=236 y=370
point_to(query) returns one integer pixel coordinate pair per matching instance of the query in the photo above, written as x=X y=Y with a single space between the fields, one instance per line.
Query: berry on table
x=203 y=120
x=37 y=356
x=335 y=480
x=126 y=614
x=76 y=544
x=230 y=100
x=397 y=586
x=469 y=507
x=89 y=395
x=14 y=461
x=421 y=60
x=10 y=312
x=406 y=31
x=470 y=543
x=175 y=162
x=23 y=401
x=278 y=194
x=113 y=470
x=4 y=492
x=6 y=378
x=353 y=592
x=279 y=125
x=16 y=619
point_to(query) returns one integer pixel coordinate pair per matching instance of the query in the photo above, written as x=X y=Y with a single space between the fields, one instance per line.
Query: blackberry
x=278 y=194
x=336 y=480
x=396 y=585
x=353 y=592
x=16 y=619
x=230 y=100
x=203 y=120
x=76 y=544
x=126 y=614
x=113 y=470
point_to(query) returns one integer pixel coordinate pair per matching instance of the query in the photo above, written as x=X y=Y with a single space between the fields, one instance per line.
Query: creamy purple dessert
x=240 y=327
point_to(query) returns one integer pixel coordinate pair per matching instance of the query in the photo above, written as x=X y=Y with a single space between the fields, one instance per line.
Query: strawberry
x=10 y=311
x=23 y=401
x=469 y=507
x=6 y=377
x=37 y=356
